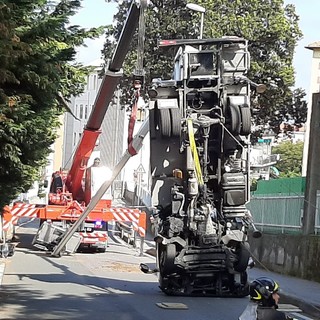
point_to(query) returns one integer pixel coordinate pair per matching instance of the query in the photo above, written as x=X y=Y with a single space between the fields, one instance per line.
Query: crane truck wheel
x=245 y=121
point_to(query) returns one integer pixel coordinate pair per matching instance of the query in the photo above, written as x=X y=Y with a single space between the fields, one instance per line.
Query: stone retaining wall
x=295 y=255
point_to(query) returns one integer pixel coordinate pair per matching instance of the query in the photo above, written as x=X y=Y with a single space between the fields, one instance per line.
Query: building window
x=74 y=138
x=86 y=112
x=81 y=111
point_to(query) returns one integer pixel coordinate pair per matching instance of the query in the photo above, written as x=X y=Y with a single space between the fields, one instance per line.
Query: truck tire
x=164 y=285
x=167 y=257
x=164 y=123
x=233 y=119
x=245 y=121
x=175 y=122
x=152 y=124
x=243 y=253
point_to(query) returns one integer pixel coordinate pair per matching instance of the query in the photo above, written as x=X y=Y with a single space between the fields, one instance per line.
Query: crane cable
x=194 y=152
x=138 y=75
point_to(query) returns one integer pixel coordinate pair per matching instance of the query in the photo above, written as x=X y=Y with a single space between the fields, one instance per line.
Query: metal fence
x=281 y=214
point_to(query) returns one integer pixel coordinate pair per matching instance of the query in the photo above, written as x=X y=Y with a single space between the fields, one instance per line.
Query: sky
x=309 y=12
x=94 y=13
x=98 y=12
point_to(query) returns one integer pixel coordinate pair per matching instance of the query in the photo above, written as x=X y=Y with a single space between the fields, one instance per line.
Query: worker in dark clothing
x=264 y=298
x=96 y=162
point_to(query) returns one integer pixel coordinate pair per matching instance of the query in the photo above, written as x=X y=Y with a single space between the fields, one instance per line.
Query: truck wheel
x=167 y=257
x=243 y=254
x=152 y=124
x=175 y=122
x=245 y=121
x=164 y=122
x=164 y=285
x=233 y=118
x=244 y=289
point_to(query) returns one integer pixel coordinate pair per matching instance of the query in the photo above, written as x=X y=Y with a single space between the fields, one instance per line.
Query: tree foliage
x=271 y=28
x=36 y=55
x=290 y=163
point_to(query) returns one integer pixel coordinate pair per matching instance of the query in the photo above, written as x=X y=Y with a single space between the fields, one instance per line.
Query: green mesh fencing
x=283 y=186
x=278 y=213
x=277 y=205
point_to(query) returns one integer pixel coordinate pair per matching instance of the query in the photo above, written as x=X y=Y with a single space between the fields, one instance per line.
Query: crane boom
x=108 y=86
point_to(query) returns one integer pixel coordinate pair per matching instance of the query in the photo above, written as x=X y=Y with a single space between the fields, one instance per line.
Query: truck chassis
x=200 y=123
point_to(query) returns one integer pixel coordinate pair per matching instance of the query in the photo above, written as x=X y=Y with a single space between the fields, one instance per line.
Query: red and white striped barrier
x=137 y=217
x=21 y=210
x=92 y=237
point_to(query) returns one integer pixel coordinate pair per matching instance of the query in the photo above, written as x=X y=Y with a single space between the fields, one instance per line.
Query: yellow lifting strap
x=194 y=152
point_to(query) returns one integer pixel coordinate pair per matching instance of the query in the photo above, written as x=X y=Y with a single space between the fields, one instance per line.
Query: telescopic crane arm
x=108 y=86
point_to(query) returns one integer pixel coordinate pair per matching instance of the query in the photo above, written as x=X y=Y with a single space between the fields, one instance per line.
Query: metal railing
x=281 y=213
x=127 y=233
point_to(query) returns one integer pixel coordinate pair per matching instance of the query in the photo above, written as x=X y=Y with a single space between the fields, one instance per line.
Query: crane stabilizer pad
x=172 y=305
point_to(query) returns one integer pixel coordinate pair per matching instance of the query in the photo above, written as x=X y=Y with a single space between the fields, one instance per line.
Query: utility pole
x=314 y=87
x=313 y=172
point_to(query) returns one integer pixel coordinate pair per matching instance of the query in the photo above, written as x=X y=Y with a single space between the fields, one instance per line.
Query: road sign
x=140 y=169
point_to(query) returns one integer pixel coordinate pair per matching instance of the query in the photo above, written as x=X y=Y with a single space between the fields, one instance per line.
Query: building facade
x=112 y=141
x=109 y=144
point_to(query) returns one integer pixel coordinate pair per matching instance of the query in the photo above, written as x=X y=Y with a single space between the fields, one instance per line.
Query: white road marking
x=299 y=316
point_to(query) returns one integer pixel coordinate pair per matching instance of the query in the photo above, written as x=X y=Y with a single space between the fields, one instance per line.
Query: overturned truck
x=200 y=122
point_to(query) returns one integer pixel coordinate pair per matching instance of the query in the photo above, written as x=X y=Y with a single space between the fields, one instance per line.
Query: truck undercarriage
x=200 y=123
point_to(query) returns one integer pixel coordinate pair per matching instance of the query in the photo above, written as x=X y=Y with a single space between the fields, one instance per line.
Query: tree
x=36 y=55
x=271 y=28
x=290 y=163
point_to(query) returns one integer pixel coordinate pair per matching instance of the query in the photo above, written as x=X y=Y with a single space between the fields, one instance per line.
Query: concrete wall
x=295 y=255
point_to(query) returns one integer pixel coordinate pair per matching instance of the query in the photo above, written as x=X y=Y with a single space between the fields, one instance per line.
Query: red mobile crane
x=68 y=198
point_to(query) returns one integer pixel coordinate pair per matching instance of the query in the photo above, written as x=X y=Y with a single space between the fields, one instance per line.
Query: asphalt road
x=96 y=286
